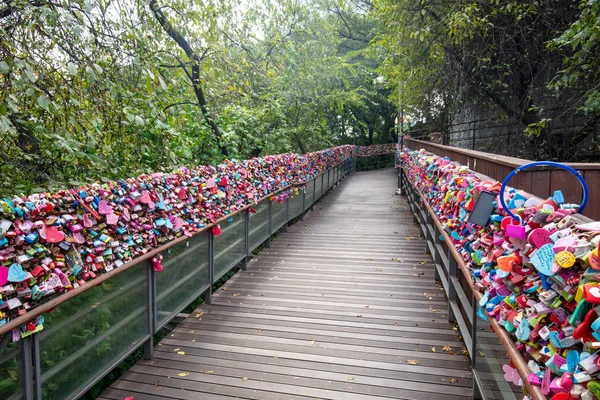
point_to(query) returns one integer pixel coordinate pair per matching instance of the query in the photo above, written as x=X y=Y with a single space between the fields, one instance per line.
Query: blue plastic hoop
x=548 y=164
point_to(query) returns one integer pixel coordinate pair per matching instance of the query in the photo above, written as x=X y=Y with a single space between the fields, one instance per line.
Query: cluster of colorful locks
x=375 y=150
x=51 y=243
x=539 y=276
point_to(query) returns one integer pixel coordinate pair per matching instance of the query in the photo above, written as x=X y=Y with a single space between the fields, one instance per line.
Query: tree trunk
x=195 y=76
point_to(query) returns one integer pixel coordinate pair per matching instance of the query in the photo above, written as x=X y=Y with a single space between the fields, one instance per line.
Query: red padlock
x=156 y=263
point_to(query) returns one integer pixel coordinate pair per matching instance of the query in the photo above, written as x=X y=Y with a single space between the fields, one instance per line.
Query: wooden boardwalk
x=342 y=306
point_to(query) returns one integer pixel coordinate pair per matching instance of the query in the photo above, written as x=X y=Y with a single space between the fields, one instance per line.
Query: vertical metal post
x=476 y=389
x=26 y=368
x=287 y=214
x=322 y=176
x=150 y=309
x=246 y=239
x=37 y=371
x=314 y=191
x=211 y=266
x=303 y=203
x=268 y=242
x=452 y=267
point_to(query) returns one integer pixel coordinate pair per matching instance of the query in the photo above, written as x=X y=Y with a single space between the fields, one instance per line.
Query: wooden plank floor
x=325 y=313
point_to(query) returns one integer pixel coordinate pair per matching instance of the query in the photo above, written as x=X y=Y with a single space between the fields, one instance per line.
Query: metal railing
x=95 y=327
x=489 y=345
x=367 y=163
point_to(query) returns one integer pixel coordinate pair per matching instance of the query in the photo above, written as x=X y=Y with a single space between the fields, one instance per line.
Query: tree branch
x=195 y=75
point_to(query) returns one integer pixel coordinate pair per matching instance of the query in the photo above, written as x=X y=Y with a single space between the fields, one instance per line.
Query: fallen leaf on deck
x=181 y=353
x=453 y=380
x=433 y=349
x=413 y=362
x=244 y=379
x=447 y=348
x=208 y=372
x=350 y=378
x=183 y=373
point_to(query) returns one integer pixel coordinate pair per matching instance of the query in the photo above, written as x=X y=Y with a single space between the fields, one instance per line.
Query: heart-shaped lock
x=104 y=208
x=16 y=273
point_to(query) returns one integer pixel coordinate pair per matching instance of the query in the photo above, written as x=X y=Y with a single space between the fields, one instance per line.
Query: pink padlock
x=515 y=231
x=156 y=263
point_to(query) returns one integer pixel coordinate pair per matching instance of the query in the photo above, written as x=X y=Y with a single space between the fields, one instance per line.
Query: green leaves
x=43 y=102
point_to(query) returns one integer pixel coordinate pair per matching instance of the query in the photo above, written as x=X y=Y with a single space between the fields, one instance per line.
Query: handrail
x=58 y=300
x=505 y=339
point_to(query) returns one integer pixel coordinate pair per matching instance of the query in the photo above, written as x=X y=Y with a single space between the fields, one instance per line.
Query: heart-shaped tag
x=177 y=224
x=523 y=331
x=112 y=219
x=543 y=260
x=78 y=238
x=53 y=282
x=104 y=208
x=3 y=276
x=88 y=222
x=539 y=237
x=53 y=235
x=145 y=197
x=16 y=273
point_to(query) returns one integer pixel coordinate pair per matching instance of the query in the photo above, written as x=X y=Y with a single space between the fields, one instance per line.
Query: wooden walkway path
x=342 y=306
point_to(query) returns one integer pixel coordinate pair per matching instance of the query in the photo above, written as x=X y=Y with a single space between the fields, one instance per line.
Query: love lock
x=156 y=263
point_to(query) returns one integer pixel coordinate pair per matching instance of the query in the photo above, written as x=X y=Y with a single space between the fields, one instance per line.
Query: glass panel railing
x=489 y=359
x=92 y=332
x=318 y=187
x=310 y=192
x=296 y=205
x=230 y=244
x=10 y=363
x=259 y=225
x=278 y=211
x=184 y=277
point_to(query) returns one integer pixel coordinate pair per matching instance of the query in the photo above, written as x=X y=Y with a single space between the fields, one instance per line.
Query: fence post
x=287 y=215
x=26 y=377
x=246 y=239
x=37 y=368
x=268 y=242
x=303 y=204
x=476 y=389
x=151 y=309
x=452 y=268
x=211 y=266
